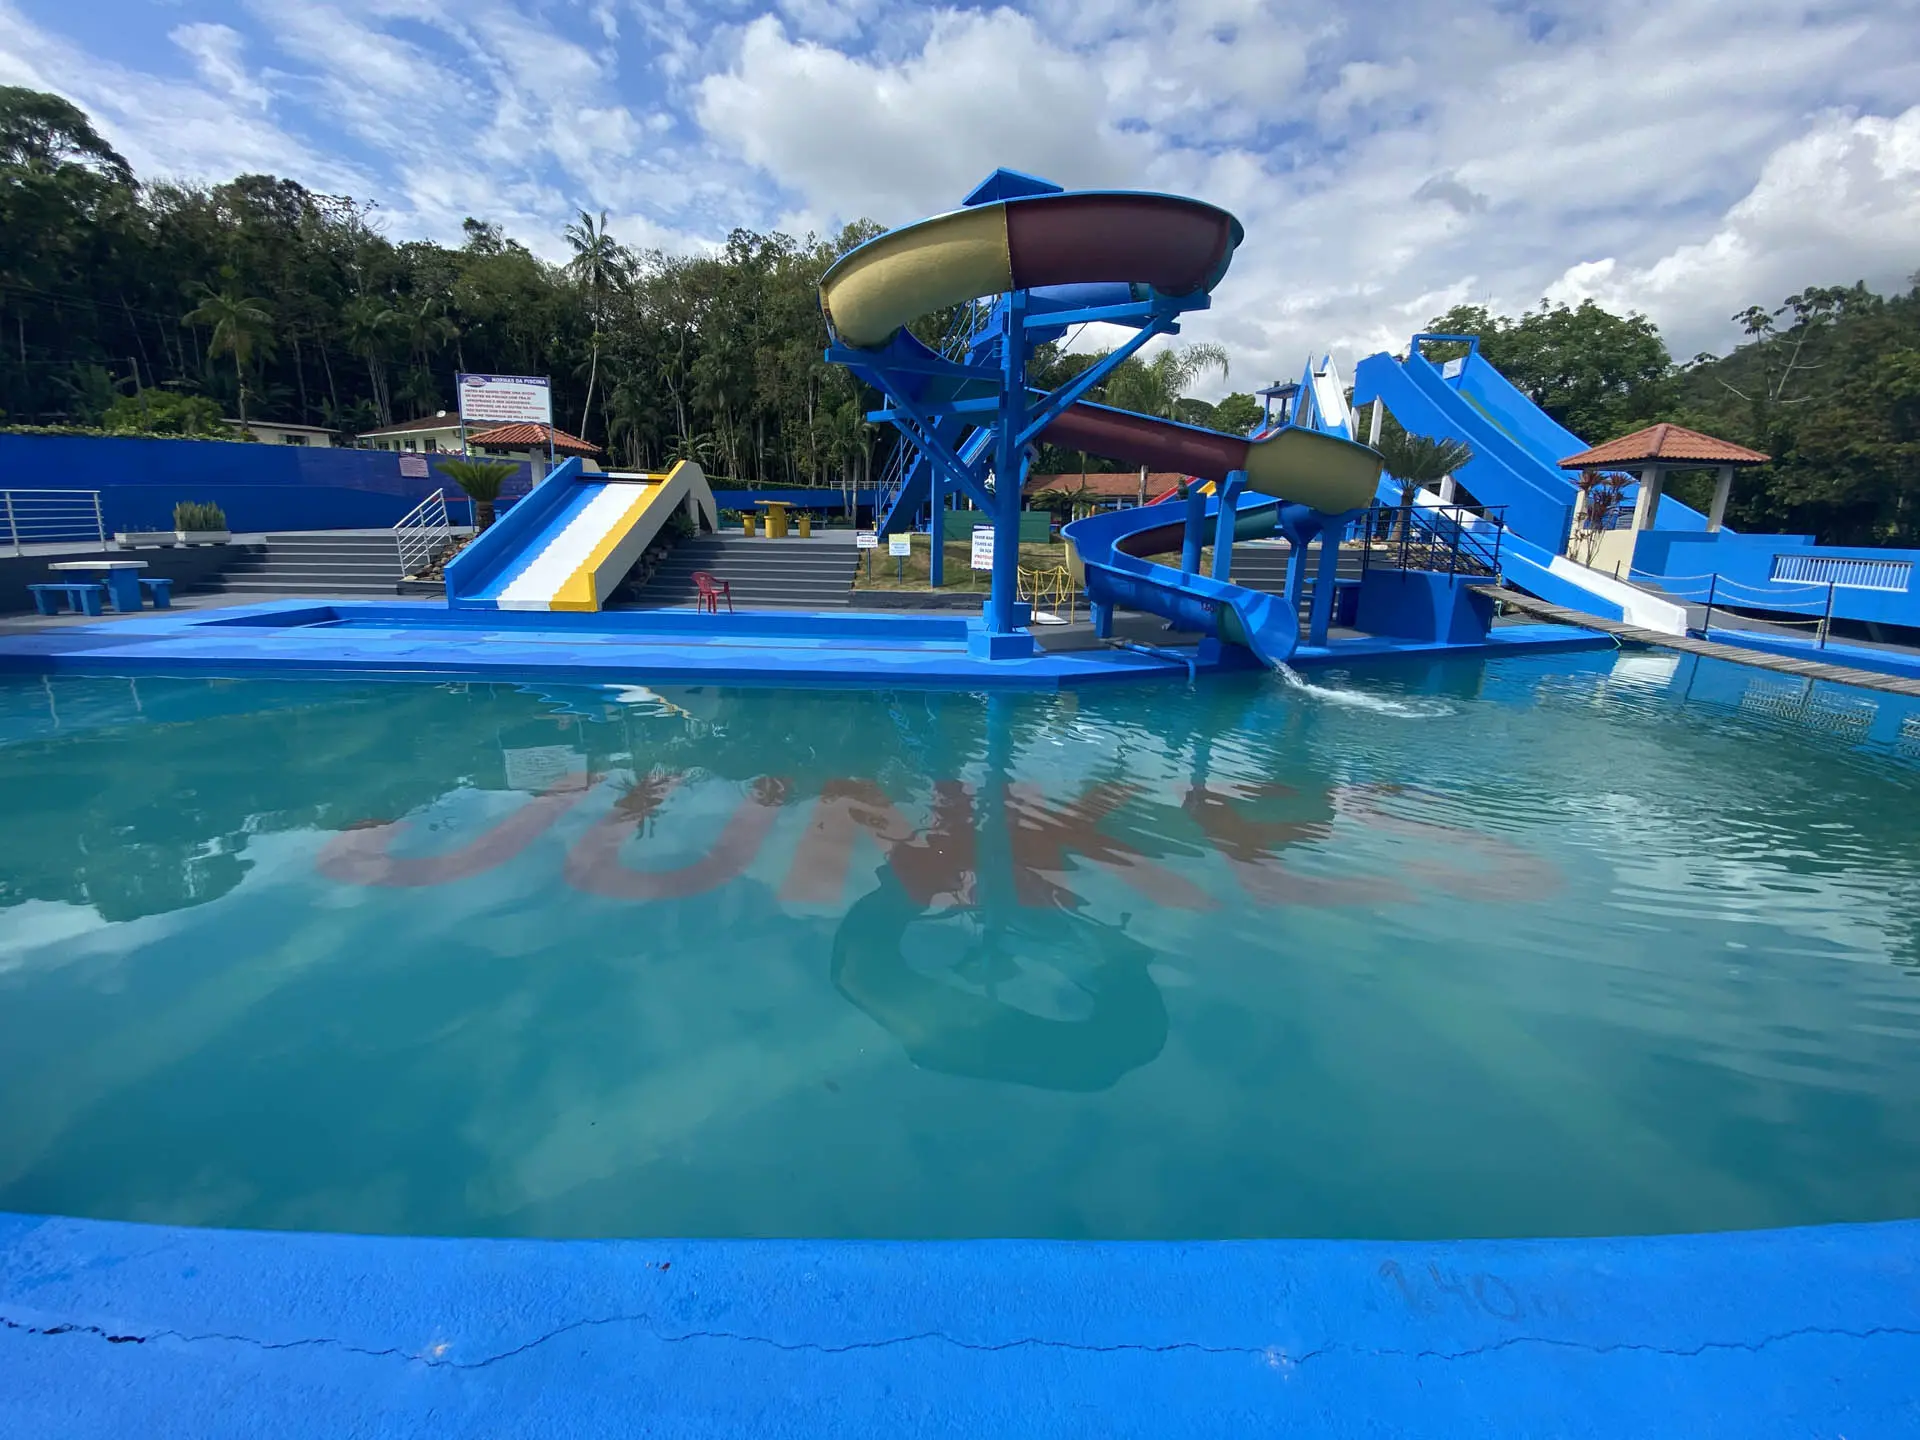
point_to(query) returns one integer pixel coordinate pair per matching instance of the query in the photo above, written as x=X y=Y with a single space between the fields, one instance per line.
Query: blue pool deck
x=425 y=640
x=111 y=1329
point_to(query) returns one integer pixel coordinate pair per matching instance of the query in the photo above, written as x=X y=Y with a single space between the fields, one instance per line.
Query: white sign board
x=1453 y=368
x=504 y=399
x=866 y=539
x=983 y=547
x=414 y=467
x=900 y=544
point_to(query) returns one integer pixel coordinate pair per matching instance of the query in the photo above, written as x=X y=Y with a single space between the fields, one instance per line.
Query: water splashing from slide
x=1360 y=699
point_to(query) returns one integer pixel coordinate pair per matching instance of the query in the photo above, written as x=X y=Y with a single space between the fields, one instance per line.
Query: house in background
x=435 y=433
x=276 y=432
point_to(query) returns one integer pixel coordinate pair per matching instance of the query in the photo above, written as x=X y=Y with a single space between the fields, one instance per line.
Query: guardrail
x=423 y=533
x=1446 y=539
x=51 y=517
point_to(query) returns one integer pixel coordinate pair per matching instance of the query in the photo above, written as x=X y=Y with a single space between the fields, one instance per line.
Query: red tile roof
x=1122 y=486
x=531 y=437
x=1673 y=444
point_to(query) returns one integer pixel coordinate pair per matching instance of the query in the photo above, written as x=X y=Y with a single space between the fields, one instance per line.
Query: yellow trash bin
x=806 y=525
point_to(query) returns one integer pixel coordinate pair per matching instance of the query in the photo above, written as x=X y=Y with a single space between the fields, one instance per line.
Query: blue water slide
x=478 y=573
x=1267 y=625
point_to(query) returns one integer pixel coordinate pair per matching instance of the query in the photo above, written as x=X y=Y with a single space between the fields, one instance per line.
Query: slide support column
x=1009 y=471
x=937 y=538
x=1324 y=578
x=1195 y=534
x=1229 y=492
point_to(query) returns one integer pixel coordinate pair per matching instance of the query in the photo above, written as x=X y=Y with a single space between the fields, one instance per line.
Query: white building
x=276 y=432
x=436 y=433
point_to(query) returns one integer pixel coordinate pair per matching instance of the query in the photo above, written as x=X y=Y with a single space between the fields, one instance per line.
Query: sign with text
x=900 y=544
x=505 y=399
x=414 y=467
x=866 y=539
x=983 y=547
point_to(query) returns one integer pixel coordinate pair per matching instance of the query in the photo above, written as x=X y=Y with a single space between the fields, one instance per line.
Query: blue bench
x=88 y=596
x=161 y=590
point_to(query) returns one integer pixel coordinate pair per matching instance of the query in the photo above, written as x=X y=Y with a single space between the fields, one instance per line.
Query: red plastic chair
x=711 y=590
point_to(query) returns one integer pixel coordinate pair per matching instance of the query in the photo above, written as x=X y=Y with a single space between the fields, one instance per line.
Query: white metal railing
x=1848 y=572
x=423 y=533
x=51 y=517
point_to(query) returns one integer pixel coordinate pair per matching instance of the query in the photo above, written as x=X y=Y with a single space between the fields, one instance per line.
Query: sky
x=1683 y=158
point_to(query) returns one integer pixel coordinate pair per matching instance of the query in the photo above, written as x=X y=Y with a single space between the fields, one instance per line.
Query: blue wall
x=1681 y=561
x=261 y=487
x=1420 y=605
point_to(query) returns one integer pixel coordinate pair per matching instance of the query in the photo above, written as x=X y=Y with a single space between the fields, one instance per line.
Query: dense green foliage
x=1828 y=384
x=160 y=307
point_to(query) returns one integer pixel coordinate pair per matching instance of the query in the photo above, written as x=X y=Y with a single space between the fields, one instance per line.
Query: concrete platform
x=113 y=1330
x=423 y=639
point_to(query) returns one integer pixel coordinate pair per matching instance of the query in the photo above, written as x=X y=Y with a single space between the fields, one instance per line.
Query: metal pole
x=99 y=521
x=1713 y=588
x=12 y=528
x=1453 y=556
x=1826 y=621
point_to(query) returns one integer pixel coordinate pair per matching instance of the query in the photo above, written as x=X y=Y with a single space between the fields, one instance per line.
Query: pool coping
x=110 y=1328
x=399 y=640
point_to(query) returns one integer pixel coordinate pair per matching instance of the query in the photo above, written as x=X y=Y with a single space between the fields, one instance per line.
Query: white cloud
x=217 y=52
x=1840 y=203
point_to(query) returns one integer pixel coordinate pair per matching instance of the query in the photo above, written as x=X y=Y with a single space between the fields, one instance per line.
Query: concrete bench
x=86 y=596
x=161 y=588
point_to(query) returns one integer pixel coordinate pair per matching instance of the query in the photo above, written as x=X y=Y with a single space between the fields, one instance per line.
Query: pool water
x=1570 y=944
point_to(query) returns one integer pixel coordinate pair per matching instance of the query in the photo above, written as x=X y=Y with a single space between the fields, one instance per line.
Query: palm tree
x=1416 y=461
x=426 y=328
x=481 y=480
x=598 y=262
x=1159 y=386
x=242 y=327
x=370 y=325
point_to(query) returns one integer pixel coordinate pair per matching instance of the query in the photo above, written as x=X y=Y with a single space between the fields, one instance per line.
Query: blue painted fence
x=260 y=487
x=1784 y=573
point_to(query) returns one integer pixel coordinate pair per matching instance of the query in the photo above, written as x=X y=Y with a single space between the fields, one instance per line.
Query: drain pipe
x=1157 y=653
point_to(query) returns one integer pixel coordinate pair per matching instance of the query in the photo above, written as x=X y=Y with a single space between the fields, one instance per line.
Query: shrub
x=192 y=515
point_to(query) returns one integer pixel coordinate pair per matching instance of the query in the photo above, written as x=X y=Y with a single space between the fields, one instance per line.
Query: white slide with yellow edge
x=593 y=540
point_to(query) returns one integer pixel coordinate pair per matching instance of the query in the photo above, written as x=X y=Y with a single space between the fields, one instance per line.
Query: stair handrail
x=421 y=534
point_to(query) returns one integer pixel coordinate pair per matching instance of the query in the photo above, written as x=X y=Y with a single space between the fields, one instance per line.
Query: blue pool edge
x=108 y=1328
x=402 y=640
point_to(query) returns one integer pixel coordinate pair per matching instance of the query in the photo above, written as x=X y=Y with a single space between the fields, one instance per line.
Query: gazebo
x=1652 y=452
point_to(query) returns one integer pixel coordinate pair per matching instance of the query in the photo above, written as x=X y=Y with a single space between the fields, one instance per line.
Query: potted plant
x=198 y=524
x=481 y=480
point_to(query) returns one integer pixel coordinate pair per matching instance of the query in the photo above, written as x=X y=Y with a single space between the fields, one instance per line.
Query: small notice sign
x=867 y=539
x=900 y=544
x=414 y=467
x=983 y=547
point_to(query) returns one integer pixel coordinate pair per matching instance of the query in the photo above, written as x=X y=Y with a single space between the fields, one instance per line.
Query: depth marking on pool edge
x=939 y=859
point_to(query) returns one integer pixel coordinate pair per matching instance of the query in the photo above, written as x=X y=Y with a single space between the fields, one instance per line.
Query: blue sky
x=1683 y=157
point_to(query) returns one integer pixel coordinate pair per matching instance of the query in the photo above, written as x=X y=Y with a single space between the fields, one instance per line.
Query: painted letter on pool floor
x=595 y=866
x=360 y=856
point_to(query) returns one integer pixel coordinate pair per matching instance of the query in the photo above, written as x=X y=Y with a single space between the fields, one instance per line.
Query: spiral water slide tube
x=1140 y=244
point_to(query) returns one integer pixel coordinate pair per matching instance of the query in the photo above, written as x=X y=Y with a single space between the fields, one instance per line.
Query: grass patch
x=960 y=577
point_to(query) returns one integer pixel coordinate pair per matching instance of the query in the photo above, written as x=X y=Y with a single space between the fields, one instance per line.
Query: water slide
x=1297 y=469
x=1517 y=448
x=569 y=544
x=1072 y=250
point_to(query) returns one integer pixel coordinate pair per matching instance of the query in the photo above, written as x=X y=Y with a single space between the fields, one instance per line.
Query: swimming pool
x=1563 y=945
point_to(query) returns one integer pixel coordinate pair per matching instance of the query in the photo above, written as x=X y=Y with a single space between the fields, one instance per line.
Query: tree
x=598 y=261
x=242 y=326
x=370 y=327
x=1237 y=414
x=38 y=130
x=481 y=480
x=1417 y=461
x=1159 y=386
x=1598 y=374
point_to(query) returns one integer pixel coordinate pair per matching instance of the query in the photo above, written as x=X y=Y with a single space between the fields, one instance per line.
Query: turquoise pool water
x=1562 y=945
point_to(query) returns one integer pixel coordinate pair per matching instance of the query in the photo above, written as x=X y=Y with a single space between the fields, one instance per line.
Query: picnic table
x=122 y=577
x=776 y=517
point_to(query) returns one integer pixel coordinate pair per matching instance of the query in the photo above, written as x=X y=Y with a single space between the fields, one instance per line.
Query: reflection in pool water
x=1587 y=944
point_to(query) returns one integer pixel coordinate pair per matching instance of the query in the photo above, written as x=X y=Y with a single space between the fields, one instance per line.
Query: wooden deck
x=1691 y=645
